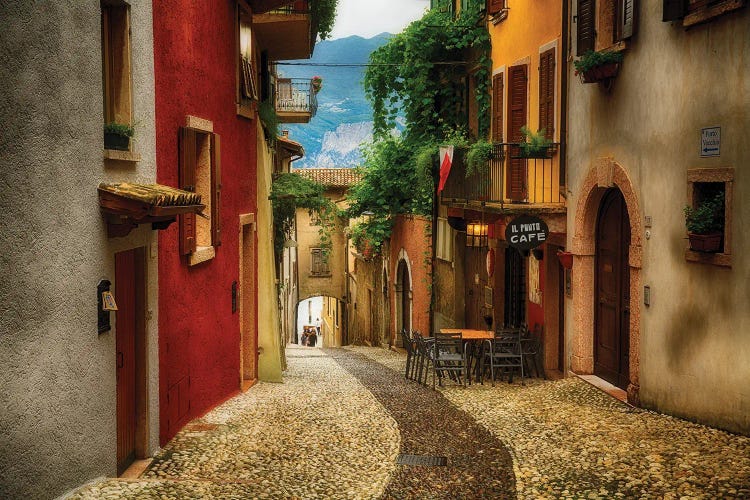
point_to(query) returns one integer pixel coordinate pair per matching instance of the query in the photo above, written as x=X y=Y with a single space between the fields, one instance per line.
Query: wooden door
x=514 y=311
x=125 y=324
x=515 y=173
x=248 y=321
x=403 y=277
x=474 y=299
x=612 y=286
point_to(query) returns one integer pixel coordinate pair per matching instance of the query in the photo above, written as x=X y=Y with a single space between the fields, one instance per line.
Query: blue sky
x=368 y=18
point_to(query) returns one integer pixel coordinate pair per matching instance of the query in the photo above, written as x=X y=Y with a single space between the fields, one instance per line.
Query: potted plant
x=317 y=83
x=705 y=224
x=595 y=66
x=117 y=136
x=534 y=145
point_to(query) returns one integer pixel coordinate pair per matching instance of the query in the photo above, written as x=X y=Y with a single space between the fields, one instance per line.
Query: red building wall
x=413 y=234
x=194 y=65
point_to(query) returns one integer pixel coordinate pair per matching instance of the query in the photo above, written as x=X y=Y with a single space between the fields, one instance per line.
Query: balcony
x=287 y=33
x=508 y=182
x=296 y=101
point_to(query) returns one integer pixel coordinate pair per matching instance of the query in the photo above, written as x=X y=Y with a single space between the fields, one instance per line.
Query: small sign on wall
x=710 y=141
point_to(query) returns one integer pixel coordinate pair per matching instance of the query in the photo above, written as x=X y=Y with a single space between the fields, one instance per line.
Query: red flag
x=446 y=159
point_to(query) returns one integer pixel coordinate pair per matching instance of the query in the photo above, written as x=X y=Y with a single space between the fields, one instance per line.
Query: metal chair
x=424 y=356
x=504 y=353
x=531 y=349
x=449 y=358
x=410 y=346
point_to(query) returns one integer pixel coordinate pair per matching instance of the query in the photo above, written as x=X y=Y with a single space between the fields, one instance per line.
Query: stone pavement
x=335 y=427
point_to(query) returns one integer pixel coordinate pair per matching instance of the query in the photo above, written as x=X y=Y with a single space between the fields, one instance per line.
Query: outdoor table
x=473 y=336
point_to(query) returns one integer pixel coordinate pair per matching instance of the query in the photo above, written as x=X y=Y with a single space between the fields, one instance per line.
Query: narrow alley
x=336 y=427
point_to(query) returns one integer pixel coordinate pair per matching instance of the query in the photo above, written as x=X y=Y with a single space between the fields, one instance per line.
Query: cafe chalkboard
x=526 y=232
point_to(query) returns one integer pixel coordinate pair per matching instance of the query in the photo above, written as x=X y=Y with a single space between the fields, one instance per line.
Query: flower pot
x=709 y=243
x=601 y=73
x=116 y=141
x=565 y=258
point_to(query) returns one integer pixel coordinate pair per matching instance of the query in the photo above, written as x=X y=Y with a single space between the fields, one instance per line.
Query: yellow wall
x=269 y=335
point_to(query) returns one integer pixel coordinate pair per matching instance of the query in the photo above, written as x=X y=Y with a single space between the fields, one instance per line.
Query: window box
x=116 y=141
x=707 y=243
x=602 y=73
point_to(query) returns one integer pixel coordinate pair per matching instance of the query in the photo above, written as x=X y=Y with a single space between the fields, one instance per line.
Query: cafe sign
x=526 y=232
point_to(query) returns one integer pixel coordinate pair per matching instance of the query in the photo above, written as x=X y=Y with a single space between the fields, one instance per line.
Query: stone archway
x=604 y=174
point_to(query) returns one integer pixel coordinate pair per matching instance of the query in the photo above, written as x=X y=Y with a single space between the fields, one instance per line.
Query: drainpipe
x=564 y=96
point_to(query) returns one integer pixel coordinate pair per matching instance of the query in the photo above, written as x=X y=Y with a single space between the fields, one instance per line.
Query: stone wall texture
x=58 y=394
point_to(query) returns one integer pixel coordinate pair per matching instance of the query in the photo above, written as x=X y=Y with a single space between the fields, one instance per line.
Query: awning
x=126 y=205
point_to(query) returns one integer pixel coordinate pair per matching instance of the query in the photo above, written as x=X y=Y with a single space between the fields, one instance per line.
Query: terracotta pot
x=601 y=73
x=565 y=258
x=709 y=243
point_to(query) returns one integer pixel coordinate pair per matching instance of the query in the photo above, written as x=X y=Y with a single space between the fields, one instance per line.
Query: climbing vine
x=292 y=191
x=420 y=75
x=324 y=15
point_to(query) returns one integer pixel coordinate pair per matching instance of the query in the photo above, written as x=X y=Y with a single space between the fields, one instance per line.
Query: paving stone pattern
x=335 y=427
x=478 y=465
x=571 y=440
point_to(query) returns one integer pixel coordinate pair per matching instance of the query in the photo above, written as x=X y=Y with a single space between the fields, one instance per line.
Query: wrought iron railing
x=507 y=178
x=296 y=95
x=298 y=7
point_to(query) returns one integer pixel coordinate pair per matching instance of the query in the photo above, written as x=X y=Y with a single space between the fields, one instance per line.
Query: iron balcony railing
x=507 y=178
x=296 y=95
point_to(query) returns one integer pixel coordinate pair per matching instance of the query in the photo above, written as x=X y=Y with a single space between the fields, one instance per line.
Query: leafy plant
x=323 y=13
x=707 y=217
x=478 y=157
x=292 y=191
x=267 y=115
x=317 y=83
x=535 y=145
x=122 y=129
x=592 y=59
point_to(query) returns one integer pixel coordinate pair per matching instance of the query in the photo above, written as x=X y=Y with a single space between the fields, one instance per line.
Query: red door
x=612 y=311
x=125 y=345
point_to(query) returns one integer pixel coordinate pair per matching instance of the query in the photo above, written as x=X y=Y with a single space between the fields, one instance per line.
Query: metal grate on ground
x=430 y=460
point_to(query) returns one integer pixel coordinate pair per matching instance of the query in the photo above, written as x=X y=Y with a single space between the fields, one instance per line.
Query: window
x=705 y=184
x=442 y=5
x=547 y=93
x=444 y=250
x=498 y=9
x=601 y=25
x=497 y=107
x=697 y=11
x=318 y=263
x=199 y=171
x=116 y=63
x=247 y=89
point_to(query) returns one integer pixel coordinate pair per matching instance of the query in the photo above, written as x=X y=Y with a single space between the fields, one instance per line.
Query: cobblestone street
x=335 y=428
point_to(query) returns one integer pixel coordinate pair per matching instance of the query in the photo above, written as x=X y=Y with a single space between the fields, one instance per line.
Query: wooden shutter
x=547 y=93
x=585 y=26
x=187 y=163
x=627 y=18
x=215 y=190
x=497 y=108
x=495 y=6
x=316 y=258
x=515 y=176
x=674 y=10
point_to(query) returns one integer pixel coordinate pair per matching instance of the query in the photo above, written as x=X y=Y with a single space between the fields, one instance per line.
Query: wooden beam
x=263 y=6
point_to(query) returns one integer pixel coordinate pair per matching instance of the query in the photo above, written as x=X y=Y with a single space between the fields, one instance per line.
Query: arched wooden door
x=612 y=288
x=405 y=303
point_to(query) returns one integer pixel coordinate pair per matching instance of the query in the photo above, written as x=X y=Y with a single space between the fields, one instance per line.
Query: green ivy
x=292 y=191
x=323 y=14
x=270 y=120
x=592 y=59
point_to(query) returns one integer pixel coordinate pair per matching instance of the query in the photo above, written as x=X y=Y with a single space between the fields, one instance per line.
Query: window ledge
x=708 y=13
x=715 y=259
x=116 y=154
x=320 y=275
x=246 y=111
x=201 y=254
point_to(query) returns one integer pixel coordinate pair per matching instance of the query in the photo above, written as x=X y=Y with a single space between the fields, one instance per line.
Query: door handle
x=120 y=360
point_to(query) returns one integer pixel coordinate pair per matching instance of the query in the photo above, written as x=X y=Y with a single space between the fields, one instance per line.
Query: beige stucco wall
x=694 y=345
x=270 y=343
x=58 y=393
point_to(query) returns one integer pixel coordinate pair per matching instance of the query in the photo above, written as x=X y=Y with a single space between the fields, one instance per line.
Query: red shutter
x=627 y=18
x=585 y=26
x=187 y=160
x=516 y=173
x=215 y=190
x=497 y=108
x=547 y=93
x=495 y=6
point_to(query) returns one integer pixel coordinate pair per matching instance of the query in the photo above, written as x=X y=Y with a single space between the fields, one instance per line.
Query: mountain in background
x=344 y=118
